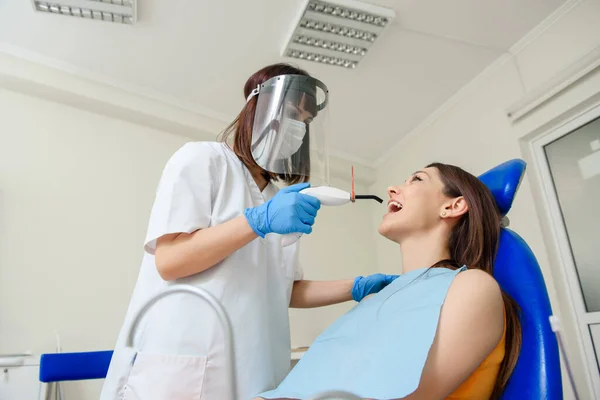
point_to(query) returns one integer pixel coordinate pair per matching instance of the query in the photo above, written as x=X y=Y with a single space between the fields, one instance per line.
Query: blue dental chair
x=537 y=374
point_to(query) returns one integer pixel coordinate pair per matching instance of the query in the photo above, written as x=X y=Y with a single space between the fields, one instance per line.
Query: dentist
x=216 y=223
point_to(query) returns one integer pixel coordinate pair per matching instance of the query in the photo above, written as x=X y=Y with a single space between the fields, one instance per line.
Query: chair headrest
x=504 y=181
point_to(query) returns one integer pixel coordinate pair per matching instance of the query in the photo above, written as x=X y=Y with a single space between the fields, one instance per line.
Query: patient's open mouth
x=394 y=206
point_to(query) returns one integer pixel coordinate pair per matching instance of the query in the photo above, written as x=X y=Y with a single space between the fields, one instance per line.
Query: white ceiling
x=200 y=53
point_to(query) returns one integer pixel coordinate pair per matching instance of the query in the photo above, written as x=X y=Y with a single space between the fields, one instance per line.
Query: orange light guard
x=352 y=194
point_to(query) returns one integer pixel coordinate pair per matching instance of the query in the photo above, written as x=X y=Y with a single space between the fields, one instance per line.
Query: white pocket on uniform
x=165 y=377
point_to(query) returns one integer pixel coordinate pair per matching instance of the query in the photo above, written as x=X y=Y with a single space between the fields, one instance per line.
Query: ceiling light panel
x=120 y=11
x=337 y=32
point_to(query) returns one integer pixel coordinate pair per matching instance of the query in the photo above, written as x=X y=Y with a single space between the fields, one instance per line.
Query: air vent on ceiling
x=337 y=32
x=121 y=11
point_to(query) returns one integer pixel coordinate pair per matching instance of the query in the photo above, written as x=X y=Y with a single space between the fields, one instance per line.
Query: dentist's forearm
x=182 y=255
x=310 y=294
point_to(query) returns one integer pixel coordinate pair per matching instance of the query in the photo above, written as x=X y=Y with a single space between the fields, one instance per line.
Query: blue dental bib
x=377 y=349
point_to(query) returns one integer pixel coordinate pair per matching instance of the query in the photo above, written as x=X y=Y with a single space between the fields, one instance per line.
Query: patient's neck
x=422 y=251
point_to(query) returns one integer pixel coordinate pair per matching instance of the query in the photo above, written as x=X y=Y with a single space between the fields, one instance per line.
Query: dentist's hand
x=287 y=212
x=364 y=286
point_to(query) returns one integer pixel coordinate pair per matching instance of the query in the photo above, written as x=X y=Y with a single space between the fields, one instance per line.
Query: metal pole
x=556 y=328
x=216 y=306
x=335 y=394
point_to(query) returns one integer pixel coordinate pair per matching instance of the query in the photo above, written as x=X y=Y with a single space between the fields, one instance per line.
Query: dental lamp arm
x=225 y=322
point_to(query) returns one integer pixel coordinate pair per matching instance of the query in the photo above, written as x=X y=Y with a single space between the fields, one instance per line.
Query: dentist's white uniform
x=180 y=340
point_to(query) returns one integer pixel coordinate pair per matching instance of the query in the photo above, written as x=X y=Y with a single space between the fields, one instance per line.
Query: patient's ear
x=455 y=208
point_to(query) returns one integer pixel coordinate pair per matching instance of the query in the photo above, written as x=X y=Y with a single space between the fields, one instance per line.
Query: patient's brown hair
x=474 y=243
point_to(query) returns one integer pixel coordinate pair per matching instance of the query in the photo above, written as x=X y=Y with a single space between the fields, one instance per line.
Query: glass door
x=571 y=155
x=574 y=163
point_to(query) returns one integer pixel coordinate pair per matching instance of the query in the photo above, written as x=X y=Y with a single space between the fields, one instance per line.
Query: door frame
x=559 y=236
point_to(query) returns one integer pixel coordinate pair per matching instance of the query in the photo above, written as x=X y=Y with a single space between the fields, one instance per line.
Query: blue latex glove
x=287 y=212
x=364 y=286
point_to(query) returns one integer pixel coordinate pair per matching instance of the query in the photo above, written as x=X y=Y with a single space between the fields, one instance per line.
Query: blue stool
x=60 y=367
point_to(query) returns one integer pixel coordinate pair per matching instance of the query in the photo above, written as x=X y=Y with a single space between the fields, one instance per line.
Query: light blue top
x=377 y=349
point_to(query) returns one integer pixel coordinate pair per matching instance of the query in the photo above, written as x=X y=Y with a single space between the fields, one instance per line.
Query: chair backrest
x=537 y=374
x=58 y=367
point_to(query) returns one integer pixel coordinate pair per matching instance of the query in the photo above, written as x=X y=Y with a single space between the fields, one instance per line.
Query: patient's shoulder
x=476 y=282
x=477 y=293
x=470 y=327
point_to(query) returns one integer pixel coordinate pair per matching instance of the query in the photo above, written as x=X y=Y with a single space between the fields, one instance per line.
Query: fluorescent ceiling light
x=121 y=11
x=337 y=32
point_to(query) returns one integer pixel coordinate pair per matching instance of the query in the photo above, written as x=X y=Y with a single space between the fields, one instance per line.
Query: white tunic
x=180 y=342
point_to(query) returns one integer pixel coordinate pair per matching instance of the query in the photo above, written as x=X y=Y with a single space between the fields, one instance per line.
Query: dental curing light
x=329 y=196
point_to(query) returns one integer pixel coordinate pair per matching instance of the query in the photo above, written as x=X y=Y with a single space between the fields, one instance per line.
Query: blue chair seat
x=57 y=367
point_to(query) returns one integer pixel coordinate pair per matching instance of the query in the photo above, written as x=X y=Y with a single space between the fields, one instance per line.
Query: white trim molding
x=32 y=78
x=560 y=82
x=543 y=26
x=81 y=74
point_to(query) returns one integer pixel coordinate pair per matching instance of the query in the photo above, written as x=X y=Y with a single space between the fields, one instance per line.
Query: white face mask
x=293 y=135
x=294 y=132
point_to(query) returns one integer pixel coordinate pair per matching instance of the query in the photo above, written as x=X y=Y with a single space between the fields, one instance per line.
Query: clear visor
x=289 y=135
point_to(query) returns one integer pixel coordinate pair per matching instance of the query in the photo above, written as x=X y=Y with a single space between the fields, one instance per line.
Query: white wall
x=76 y=190
x=476 y=134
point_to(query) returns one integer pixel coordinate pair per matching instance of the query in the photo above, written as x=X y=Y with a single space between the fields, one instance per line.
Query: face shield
x=289 y=135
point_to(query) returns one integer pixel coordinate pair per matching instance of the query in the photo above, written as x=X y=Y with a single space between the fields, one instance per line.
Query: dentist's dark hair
x=238 y=135
x=474 y=242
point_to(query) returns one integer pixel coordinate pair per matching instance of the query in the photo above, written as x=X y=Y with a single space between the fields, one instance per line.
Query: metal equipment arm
x=212 y=302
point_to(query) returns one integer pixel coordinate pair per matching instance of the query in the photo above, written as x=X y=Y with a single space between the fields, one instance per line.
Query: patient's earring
x=444 y=214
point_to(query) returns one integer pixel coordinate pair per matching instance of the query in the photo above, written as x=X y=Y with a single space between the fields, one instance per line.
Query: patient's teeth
x=394 y=206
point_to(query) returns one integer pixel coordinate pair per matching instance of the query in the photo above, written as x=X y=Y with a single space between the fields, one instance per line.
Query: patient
x=442 y=330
